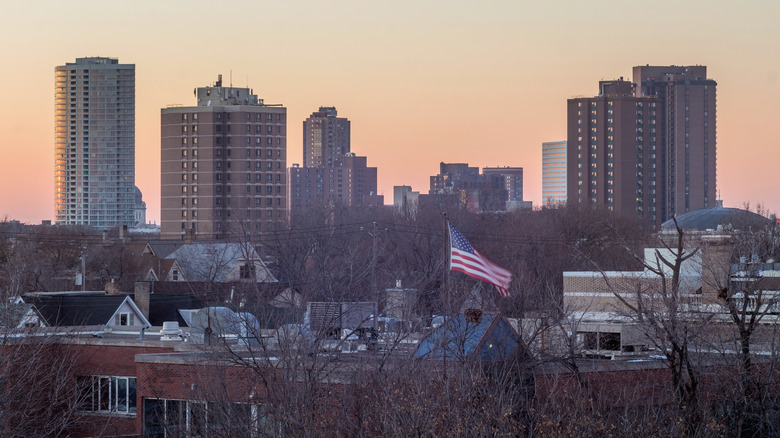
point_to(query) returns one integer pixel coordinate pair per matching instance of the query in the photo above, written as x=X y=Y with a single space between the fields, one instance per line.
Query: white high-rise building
x=94 y=146
x=553 y=173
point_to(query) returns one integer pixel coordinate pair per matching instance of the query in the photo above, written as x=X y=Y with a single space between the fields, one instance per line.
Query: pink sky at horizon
x=422 y=82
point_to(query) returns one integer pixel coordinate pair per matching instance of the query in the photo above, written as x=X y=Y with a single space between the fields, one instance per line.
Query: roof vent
x=171 y=331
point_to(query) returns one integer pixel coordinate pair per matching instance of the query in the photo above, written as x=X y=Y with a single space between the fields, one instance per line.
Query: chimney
x=142 y=297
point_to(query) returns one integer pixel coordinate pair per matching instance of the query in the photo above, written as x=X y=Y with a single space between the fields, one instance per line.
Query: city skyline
x=421 y=84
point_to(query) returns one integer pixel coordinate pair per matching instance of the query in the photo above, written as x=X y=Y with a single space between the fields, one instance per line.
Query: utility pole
x=374 y=233
x=83 y=272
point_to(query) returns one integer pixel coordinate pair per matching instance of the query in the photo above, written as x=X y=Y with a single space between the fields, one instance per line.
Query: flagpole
x=446 y=297
x=446 y=251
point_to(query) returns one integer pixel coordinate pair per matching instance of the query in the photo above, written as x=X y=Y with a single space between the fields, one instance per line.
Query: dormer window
x=247 y=271
x=124 y=318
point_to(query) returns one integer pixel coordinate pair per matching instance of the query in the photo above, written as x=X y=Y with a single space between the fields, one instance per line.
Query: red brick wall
x=111 y=360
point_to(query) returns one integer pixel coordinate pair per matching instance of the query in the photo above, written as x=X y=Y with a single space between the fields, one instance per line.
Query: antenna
x=231 y=78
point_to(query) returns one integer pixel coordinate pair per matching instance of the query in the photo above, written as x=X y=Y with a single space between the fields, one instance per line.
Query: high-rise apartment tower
x=553 y=173
x=612 y=151
x=224 y=165
x=326 y=138
x=686 y=134
x=645 y=147
x=94 y=143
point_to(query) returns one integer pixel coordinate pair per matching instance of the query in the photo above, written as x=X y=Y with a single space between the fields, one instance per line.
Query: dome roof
x=139 y=198
x=710 y=218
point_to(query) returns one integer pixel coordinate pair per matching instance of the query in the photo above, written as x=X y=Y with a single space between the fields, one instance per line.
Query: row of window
x=107 y=394
x=165 y=418
x=219 y=116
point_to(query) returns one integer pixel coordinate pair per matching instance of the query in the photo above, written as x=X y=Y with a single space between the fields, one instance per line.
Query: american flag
x=466 y=259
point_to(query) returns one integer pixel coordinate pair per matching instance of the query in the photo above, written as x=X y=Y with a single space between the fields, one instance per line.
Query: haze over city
x=421 y=83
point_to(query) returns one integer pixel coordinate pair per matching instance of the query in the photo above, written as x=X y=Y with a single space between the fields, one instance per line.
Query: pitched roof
x=213 y=261
x=164 y=248
x=76 y=309
x=491 y=338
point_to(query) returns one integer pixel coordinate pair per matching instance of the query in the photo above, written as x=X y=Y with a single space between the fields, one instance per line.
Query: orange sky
x=422 y=82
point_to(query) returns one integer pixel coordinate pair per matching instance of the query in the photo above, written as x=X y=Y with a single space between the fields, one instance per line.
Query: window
x=124 y=318
x=175 y=274
x=247 y=271
x=164 y=418
x=106 y=394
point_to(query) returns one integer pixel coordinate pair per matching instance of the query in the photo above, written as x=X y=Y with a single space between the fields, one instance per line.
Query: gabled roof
x=164 y=248
x=491 y=338
x=78 y=309
x=214 y=261
x=15 y=313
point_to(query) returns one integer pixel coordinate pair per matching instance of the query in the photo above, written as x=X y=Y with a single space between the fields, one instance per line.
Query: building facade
x=686 y=134
x=94 y=146
x=646 y=147
x=348 y=182
x=512 y=178
x=405 y=200
x=223 y=166
x=496 y=189
x=326 y=138
x=331 y=175
x=553 y=173
x=612 y=151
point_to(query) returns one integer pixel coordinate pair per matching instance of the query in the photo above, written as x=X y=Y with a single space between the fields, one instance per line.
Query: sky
x=422 y=82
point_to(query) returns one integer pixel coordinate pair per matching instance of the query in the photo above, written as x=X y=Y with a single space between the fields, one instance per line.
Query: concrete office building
x=94 y=143
x=326 y=138
x=223 y=166
x=553 y=173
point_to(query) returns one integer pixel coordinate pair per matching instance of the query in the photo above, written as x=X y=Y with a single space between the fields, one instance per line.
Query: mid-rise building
x=348 y=182
x=331 y=174
x=326 y=137
x=405 y=200
x=223 y=165
x=553 y=173
x=489 y=191
x=512 y=178
x=94 y=143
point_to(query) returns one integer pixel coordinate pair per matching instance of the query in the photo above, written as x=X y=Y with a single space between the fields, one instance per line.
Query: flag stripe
x=464 y=258
x=481 y=266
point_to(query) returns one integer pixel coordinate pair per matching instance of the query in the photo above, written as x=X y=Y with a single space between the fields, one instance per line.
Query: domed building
x=712 y=218
x=139 y=209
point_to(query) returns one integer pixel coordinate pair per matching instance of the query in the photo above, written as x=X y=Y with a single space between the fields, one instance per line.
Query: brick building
x=349 y=181
x=223 y=165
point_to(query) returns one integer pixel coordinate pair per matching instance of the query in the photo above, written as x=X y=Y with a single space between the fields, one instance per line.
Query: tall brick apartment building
x=645 y=148
x=223 y=166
